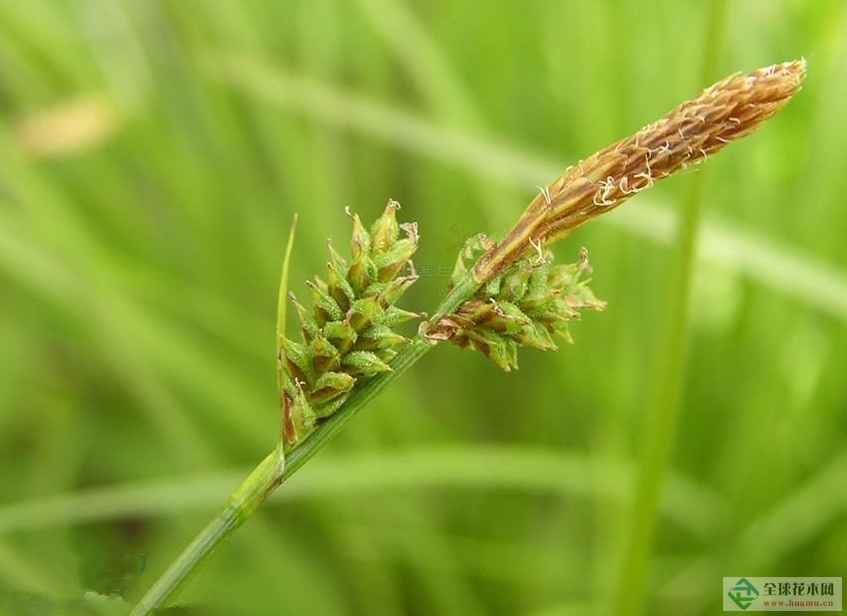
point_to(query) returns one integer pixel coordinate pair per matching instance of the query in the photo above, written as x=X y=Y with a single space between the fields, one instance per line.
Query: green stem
x=660 y=426
x=241 y=503
x=275 y=469
x=463 y=290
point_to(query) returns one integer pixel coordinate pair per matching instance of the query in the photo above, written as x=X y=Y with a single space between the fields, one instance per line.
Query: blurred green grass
x=151 y=158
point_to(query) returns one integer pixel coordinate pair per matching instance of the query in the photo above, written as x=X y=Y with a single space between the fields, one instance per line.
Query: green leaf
x=283 y=283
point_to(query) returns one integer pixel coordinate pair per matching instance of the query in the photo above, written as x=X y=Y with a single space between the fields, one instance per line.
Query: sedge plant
x=502 y=295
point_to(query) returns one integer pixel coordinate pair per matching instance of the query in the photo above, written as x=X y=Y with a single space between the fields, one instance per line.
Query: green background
x=152 y=155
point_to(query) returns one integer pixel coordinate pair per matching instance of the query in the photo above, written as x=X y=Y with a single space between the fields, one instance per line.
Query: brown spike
x=726 y=111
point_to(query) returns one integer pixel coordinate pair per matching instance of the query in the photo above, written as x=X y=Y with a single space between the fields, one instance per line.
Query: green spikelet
x=529 y=304
x=348 y=333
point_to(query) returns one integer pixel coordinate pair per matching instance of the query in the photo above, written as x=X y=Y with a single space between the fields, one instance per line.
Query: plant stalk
x=241 y=503
x=275 y=468
x=671 y=353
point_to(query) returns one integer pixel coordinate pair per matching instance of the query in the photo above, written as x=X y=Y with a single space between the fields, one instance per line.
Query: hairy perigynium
x=530 y=304
x=349 y=332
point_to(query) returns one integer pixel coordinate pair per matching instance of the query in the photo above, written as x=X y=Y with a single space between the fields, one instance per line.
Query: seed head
x=348 y=335
x=696 y=129
x=528 y=305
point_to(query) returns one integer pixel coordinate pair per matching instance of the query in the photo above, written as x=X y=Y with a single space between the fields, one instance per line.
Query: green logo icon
x=743 y=593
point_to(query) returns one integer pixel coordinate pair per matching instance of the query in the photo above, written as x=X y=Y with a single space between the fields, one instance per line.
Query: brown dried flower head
x=726 y=111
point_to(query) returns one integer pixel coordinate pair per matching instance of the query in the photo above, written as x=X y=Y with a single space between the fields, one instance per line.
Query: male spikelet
x=349 y=332
x=501 y=316
x=726 y=111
